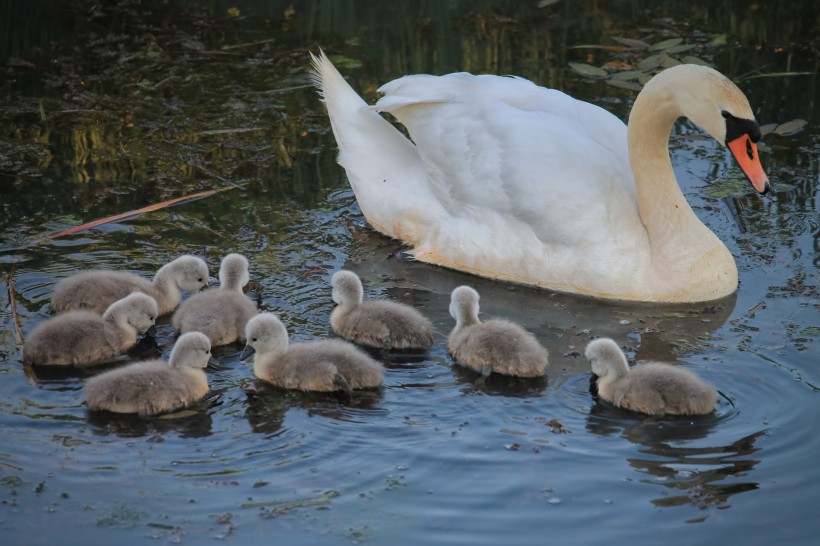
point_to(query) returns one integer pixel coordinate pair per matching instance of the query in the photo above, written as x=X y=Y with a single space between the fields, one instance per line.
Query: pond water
x=112 y=109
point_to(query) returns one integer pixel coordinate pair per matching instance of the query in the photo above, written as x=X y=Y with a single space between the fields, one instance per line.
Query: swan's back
x=653 y=388
x=376 y=323
x=657 y=388
x=76 y=337
x=384 y=324
x=505 y=346
x=96 y=290
x=84 y=337
x=357 y=367
x=154 y=386
x=219 y=313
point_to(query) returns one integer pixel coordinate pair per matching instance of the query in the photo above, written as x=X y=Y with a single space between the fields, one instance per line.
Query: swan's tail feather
x=382 y=165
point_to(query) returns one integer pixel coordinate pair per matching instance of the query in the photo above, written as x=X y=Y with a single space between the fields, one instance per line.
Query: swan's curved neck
x=661 y=203
x=688 y=261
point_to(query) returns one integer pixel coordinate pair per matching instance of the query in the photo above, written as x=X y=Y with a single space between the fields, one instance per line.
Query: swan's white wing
x=508 y=146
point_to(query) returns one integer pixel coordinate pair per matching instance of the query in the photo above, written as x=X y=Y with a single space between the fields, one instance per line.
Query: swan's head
x=716 y=105
x=606 y=358
x=347 y=288
x=136 y=309
x=189 y=273
x=192 y=350
x=233 y=272
x=464 y=304
x=265 y=333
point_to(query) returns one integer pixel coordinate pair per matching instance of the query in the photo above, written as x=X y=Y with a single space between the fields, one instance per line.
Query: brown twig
x=15 y=318
x=137 y=212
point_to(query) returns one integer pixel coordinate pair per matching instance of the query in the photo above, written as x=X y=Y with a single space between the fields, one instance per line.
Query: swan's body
x=652 y=388
x=219 y=313
x=376 y=323
x=325 y=365
x=84 y=337
x=493 y=346
x=513 y=181
x=96 y=290
x=154 y=386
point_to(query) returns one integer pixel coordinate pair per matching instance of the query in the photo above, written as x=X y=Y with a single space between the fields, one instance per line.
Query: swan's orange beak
x=745 y=152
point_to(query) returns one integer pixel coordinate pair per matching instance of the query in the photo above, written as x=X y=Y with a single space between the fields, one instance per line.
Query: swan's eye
x=749 y=151
x=726 y=114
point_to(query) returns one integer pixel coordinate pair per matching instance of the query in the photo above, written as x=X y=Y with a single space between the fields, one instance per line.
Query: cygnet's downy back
x=494 y=346
x=219 y=313
x=96 y=290
x=83 y=337
x=322 y=365
x=154 y=386
x=653 y=388
x=375 y=323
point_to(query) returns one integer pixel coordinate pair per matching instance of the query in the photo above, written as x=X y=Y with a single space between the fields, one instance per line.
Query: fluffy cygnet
x=376 y=323
x=154 y=386
x=322 y=365
x=96 y=290
x=220 y=313
x=83 y=337
x=497 y=346
x=652 y=388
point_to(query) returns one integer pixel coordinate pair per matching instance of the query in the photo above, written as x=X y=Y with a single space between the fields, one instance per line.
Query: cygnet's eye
x=200 y=279
x=254 y=339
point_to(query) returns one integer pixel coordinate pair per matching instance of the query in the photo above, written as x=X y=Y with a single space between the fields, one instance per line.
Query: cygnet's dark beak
x=152 y=331
x=213 y=363
x=246 y=352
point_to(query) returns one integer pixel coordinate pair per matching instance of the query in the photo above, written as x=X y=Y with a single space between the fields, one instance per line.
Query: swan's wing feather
x=508 y=146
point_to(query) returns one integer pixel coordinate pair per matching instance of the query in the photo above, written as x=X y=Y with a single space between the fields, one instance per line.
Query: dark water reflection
x=158 y=109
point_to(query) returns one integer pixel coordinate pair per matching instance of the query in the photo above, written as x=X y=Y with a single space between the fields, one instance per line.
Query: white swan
x=513 y=181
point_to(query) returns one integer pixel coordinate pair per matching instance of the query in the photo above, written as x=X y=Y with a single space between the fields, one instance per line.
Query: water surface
x=158 y=108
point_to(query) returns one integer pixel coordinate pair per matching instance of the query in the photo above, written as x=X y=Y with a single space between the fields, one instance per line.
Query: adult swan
x=512 y=181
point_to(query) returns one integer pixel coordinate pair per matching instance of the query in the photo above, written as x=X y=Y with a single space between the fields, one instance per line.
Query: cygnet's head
x=606 y=357
x=347 y=288
x=265 y=333
x=233 y=272
x=192 y=350
x=464 y=303
x=137 y=309
x=190 y=273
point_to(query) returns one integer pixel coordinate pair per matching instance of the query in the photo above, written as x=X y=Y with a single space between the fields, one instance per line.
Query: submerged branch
x=15 y=318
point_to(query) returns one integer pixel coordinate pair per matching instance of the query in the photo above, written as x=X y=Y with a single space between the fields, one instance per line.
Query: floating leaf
x=628 y=75
x=766 y=129
x=632 y=86
x=545 y=3
x=668 y=62
x=666 y=44
x=588 y=70
x=616 y=66
x=790 y=127
x=644 y=79
x=340 y=61
x=678 y=49
x=650 y=62
x=629 y=42
x=599 y=46
x=718 y=40
x=690 y=59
